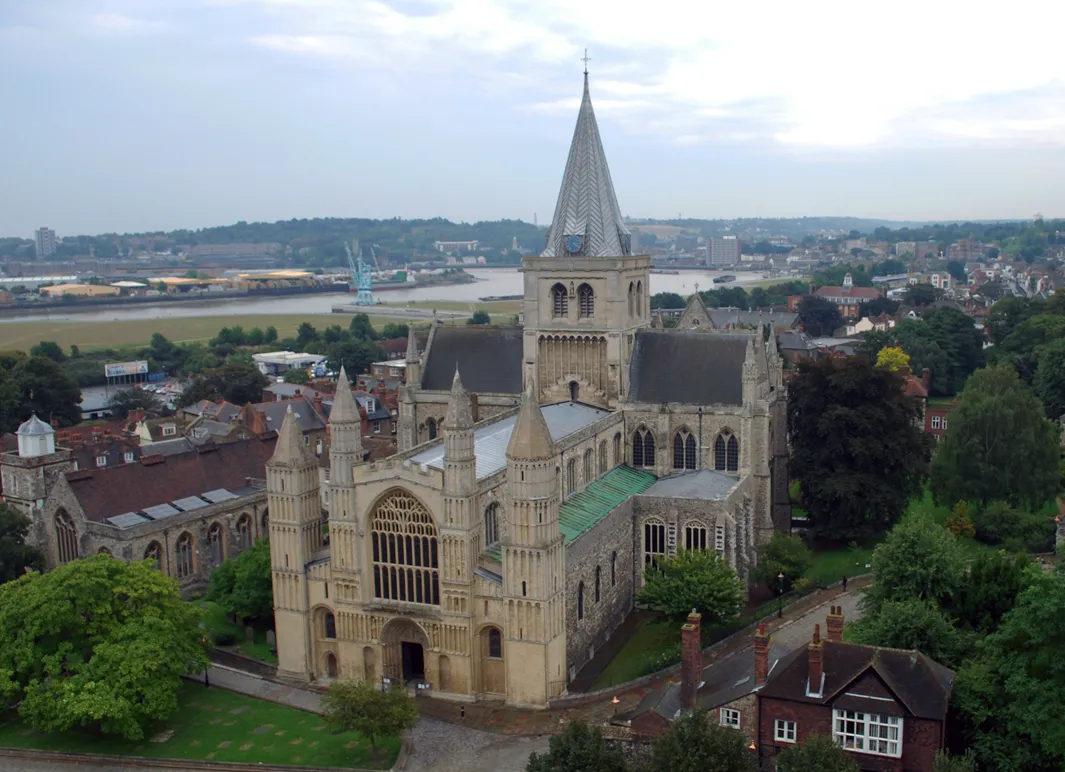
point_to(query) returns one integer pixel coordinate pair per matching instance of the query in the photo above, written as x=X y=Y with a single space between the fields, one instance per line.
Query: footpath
x=790 y=629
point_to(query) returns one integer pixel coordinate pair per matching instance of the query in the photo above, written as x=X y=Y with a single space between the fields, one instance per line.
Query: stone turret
x=414 y=362
x=345 y=453
x=460 y=463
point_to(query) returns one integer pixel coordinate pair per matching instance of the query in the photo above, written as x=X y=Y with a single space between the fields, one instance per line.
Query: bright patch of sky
x=155 y=114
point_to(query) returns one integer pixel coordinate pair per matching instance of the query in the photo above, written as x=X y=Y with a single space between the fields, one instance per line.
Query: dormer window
x=169 y=430
x=101 y=461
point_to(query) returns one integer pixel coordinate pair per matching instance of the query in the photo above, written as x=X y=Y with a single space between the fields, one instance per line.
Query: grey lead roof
x=704 y=484
x=587 y=206
x=490 y=442
x=488 y=357
x=687 y=368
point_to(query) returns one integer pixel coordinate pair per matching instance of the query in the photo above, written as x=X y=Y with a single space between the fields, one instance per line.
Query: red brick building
x=848 y=298
x=887 y=707
x=936 y=419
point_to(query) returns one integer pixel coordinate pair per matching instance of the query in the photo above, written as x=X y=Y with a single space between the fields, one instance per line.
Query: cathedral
x=540 y=470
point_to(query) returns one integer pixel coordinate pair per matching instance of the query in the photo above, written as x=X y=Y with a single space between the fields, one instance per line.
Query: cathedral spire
x=412 y=348
x=344 y=408
x=459 y=407
x=290 y=450
x=531 y=439
x=587 y=219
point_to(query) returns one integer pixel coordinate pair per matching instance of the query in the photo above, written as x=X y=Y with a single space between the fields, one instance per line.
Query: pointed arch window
x=330 y=625
x=244 y=533
x=183 y=551
x=430 y=427
x=617 y=449
x=598 y=580
x=403 y=543
x=727 y=452
x=632 y=299
x=694 y=536
x=66 y=537
x=215 y=542
x=491 y=525
x=153 y=552
x=602 y=458
x=580 y=601
x=654 y=541
x=643 y=447
x=571 y=477
x=586 y=301
x=683 y=450
x=589 y=466
x=559 y=302
x=639 y=298
x=613 y=568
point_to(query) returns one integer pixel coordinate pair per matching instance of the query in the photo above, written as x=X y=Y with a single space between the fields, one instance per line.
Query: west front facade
x=540 y=470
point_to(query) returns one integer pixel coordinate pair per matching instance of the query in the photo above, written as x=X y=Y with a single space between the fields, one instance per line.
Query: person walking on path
x=844 y=583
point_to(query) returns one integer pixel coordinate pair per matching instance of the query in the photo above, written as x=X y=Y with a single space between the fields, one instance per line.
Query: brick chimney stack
x=834 y=624
x=691 y=659
x=926 y=379
x=816 y=662
x=761 y=655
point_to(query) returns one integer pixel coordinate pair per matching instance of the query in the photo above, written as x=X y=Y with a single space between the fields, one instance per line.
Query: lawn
x=648 y=641
x=217 y=725
x=217 y=621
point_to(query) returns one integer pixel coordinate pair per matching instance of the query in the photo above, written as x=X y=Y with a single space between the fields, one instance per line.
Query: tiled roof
x=921 y=685
x=857 y=293
x=691 y=368
x=156 y=480
x=585 y=508
x=489 y=358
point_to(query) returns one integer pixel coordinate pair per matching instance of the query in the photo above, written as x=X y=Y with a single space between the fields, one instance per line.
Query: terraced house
x=540 y=469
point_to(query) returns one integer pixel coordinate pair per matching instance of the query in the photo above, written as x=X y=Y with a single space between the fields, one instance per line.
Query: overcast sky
x=130 y=115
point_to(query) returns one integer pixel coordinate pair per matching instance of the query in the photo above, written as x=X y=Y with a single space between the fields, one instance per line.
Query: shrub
x=224 y=638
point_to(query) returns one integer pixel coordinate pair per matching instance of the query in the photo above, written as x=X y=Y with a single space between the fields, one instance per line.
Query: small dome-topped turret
x=35 y=438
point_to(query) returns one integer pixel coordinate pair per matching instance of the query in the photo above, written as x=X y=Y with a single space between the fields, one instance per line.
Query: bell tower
x=586 y=294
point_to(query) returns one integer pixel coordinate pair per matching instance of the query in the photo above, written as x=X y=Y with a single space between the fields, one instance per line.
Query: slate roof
x=156 y=480
x=704 y=484
x=490 y=440
x=692 y=368
x=274 y=414
x=585 y=508
x=921 y=685
x=489 y=358
x=587 y=206
x=741 y=317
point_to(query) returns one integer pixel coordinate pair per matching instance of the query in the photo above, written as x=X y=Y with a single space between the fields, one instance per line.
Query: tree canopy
x=243 y=585
x=817 y=753
x=785 y=554
x=696 y=579
x=819 y=316
x=693 y=743
x=236 y=383
x=15 y=555
x=126 y=401
x=580 y=748
x=359 y=706
x=1049 y=382
x=913 y=624
x=36 y=385
x=857 y=449
x=96 y=642
x=1000 y=445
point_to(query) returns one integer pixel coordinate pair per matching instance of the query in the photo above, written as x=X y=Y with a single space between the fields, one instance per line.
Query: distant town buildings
x=724 y=251
x=456 y=246
x=847 y=298
x=44 y=242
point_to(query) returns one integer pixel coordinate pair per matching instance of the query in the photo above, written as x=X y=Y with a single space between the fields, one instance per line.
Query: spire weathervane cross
x=586 y=59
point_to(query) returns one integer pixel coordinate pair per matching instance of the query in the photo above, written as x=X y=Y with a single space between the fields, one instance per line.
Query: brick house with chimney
x=887 y=707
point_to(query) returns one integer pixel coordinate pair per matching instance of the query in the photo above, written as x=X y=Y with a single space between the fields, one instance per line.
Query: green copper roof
x=496 y=552
x=584 y=509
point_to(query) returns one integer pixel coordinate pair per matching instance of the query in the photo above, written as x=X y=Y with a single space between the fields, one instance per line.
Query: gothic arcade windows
x=617 y=449
x=643 y=447
x=586 y=301
x=329 y=625
x=603 y=460
x=403 y=541
x=559 y=302
x=491 y=525
x=66 y=537
x=154 y=553
x=632 y=299
x=244 y=538
x=654 y=541
x=215 y=539
x=430 y=428
x=183 y=551
x=580 y=601
x=694 y=537
x=684 y=450
x=495 y=643
x=726 y=452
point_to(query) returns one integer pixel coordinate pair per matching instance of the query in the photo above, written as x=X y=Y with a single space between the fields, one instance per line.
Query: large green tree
x=580 y=748
x=857 y=449
x=36 y=384
x=99 y=643
x=15 y=555
x=990 y=590
x=359 y=706
x=819 y=316
x=239 y=383
x=243 y=585
x=817 y=753
x=355 y=355
x=1000 y=445
x=693 y=743
x=785 y=554
x=124 y=402
x=1049 y=382
x=912 y=624
x=696 y=579
x=1010 y=695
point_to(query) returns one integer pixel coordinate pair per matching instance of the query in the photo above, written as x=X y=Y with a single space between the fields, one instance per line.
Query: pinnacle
x=290 y=450
x=459 y=407
x=344 y=408
x=531 y=439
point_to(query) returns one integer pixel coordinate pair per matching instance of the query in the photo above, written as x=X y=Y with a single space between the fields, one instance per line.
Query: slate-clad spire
x=531 y=439
x=290 y=450
x=587 y=217
x=344 y=408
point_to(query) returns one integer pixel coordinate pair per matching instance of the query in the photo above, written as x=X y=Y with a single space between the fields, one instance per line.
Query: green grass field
x=217 y=725
x=649 y=640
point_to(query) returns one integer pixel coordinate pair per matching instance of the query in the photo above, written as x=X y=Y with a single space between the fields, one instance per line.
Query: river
x=490 y=282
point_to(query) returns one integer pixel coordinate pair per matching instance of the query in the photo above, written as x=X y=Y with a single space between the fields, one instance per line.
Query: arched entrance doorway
x=405 y=646
x=331 y=665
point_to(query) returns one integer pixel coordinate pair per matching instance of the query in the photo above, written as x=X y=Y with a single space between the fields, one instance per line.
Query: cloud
x=841 y=74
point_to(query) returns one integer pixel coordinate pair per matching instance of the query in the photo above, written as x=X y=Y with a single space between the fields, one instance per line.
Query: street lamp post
x=780 y=595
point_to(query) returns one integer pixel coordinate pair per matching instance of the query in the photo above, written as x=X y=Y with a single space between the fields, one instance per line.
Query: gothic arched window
x=643 y=447
x=495 y=643
x=153 y=552
x=654 y=541
x=694 y=536
x=586 y=301
x=726 y=452
x=330 y=625
x=571 y=476
x=683 y=450
x=491 y=525
x=403 y=542
x=603 y=460
x=589 y=466
x=580 y=601
x=639 y=298
x=244 y=539
x=66 y=537
x=215 y=542
x=430 y=427
x=617 y=449
x=632 y=299
x=559 y=302
x=613 y=568
x=183 y=551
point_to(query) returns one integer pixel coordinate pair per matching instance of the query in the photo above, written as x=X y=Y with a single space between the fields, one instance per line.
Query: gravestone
x=271 y=638
x=249 y=634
